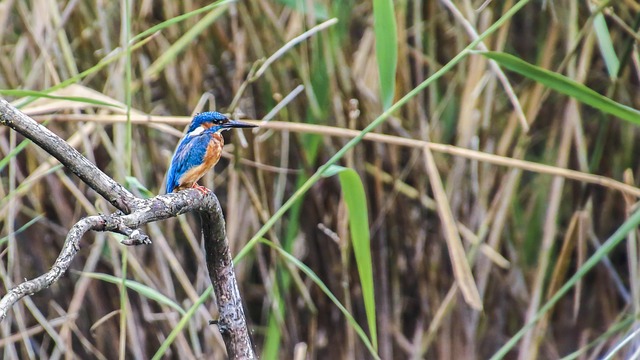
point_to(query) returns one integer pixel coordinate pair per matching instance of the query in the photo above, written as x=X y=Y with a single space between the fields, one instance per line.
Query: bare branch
x=115 y=193
x=231 y=323
x=135 y=212
x=69 y=250
x=158 y=208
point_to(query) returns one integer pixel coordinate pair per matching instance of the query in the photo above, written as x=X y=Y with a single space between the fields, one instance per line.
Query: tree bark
x=232 y=324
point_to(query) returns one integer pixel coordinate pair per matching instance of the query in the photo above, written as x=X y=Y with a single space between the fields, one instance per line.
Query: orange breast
x=211 y=158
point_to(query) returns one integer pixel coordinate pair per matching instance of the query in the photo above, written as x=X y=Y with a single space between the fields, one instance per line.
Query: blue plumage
x=192 y=149
x=190 y=153
x=207 y=117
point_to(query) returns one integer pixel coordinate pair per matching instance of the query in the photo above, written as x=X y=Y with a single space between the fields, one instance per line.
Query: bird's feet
x=202 y=189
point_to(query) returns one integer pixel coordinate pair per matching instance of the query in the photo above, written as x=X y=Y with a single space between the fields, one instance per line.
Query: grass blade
x=317 y=9
x=565 y=85
x=13 y=153
x=162 y=350
x=305 y=269
x=356 y=201
x=135 y=186
x=613 y=241
x=178 y=19
x=605 y=44
x=26 y=185
x=22 y=228
x=384 y=23
x=461 y=268
x=182 y=43
x=141 y=289
x=377 y=122
x=40 y=94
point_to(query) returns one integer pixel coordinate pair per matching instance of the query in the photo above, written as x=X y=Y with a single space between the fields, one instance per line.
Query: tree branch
x=220 y=265
x=135 y=212
x=87 y=171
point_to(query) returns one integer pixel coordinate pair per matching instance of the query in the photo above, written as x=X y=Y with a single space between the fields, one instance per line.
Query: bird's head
x=215 y=121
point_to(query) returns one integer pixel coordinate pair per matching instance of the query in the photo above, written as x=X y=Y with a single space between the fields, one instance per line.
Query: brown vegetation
x=526 y=227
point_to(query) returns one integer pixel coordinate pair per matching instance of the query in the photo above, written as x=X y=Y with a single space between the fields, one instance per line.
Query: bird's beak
x=237 y=124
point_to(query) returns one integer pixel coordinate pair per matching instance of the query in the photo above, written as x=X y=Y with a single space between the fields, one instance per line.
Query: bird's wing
x=190 y=153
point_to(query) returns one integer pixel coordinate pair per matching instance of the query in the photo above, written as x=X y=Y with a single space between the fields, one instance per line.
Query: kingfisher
x=199 y=150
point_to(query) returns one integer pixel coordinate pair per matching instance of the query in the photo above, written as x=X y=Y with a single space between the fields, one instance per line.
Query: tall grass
x=451 y=190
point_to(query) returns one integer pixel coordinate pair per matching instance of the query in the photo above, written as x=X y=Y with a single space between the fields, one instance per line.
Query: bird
x=199 y=150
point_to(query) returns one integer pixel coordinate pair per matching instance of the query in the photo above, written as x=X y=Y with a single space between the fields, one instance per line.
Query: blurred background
x=526 y=228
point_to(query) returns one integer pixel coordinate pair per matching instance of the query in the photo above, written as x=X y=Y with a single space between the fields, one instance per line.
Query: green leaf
x=384 y=24
x=14 y=152
x=273 y=334
x=22 y=228
x=134 y=185
x=305 y=269
x=141 y=289
x=319 y=11
x=565 y=85
x=182 y=324
x=605 y=45
x=333 y=170
x=356 y=201
x=40 y=94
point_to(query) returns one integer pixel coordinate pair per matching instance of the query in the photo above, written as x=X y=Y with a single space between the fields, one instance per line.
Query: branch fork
x=132 y=213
